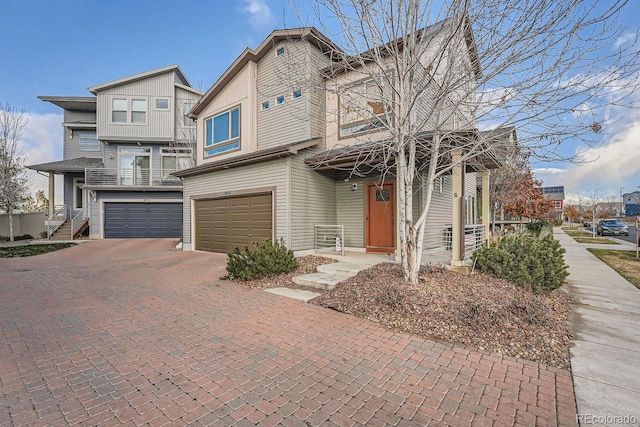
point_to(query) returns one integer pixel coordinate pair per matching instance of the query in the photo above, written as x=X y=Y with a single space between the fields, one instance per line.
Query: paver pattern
x=130 y=332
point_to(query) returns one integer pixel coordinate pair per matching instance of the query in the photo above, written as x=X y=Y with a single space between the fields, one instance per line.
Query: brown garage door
x=223 y=224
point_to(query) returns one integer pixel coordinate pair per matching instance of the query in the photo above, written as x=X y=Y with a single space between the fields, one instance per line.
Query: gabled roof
x=73 y=103
x=69 y=165
x=188 y=88
x=387 y=49
x=311 y=34
x=158 y=71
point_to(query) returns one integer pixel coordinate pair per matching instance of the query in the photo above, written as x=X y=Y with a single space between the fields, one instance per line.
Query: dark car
x=612 y=227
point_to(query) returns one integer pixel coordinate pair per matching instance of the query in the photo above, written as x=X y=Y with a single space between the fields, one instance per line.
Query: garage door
x=137 y=220
x=223 y=224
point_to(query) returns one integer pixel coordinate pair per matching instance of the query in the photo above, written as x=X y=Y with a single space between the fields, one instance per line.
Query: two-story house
x=276 y=150
x=120 y=147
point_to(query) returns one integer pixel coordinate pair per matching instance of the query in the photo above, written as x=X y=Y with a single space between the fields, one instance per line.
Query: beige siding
x=241 y=180
x=295 y=119
x=160 y=124
x=350 y=206
x=240 y=91
x=313 y=201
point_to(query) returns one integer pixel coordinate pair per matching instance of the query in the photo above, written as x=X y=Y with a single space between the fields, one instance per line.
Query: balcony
x=108 y=177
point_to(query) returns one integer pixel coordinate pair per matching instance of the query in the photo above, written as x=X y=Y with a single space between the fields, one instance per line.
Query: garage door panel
x=141 y=220
x=223 y=224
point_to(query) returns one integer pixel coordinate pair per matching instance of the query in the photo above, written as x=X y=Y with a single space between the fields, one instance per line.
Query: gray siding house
x=121 y=146
x=263 y=136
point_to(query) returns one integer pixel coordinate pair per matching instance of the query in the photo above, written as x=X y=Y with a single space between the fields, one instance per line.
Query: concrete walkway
x=606 y=329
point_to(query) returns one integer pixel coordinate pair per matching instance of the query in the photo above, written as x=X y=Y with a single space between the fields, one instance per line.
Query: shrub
x=537 y=226
x=44 y=234
x=15 y=238
x=267 y=259
x=534 y=264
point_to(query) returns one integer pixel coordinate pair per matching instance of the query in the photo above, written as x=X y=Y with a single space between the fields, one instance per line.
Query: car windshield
x=613 y=222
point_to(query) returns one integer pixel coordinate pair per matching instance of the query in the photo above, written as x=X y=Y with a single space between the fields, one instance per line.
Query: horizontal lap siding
x=225 y=183
x=350 y=207
x=439 y=215
x=313 y=202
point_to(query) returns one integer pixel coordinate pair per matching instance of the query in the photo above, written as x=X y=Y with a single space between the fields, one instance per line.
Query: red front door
x=380 y=224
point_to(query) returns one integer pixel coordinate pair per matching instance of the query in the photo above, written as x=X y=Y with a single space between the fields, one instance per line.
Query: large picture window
x=362 y=108
x=174 y=159
x=222 y=132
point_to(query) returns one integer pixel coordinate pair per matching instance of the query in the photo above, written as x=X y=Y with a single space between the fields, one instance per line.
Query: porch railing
x=78 y=220
x=474 y=238
x=131 y=177
x=55 y=221
x=329 y=238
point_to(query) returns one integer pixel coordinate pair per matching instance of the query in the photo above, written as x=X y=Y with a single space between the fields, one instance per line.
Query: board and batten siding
x=96 y=207
x=313 y=202
x=160 y=124
x=295 y=119
x=237 y=181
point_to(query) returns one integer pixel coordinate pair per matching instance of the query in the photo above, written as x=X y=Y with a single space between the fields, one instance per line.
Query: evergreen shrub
x=266 y=259
x=533 y=264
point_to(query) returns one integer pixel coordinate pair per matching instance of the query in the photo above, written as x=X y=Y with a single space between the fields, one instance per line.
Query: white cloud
x=42 y=143
x=624 y=39
x=260 y=15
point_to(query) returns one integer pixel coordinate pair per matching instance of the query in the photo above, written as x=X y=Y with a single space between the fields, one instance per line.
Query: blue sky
x=62 y=47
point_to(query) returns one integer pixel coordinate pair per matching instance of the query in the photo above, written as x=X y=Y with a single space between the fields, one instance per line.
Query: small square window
x=296 y=94
x=265 y=105
x=280 y=100
x=383 y=195
x=280 y=51
x=162 y=104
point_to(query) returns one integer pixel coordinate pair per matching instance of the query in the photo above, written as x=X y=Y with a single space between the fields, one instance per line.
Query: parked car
x=612 y=227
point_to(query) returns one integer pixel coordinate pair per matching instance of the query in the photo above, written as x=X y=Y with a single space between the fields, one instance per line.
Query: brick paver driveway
x=131 y=332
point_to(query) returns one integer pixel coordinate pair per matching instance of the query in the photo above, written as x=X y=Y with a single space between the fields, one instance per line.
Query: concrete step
x=298 y=294
x=345 y=268
x=322 y=281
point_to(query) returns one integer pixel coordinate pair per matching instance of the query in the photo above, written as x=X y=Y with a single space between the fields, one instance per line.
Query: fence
x=329 y=238
x=32 y=223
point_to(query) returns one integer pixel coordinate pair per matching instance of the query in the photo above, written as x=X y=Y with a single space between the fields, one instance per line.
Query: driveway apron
x=131 y=332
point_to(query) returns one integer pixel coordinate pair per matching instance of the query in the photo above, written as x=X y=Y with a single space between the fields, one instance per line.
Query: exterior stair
x=63 y=232
x=329 y=275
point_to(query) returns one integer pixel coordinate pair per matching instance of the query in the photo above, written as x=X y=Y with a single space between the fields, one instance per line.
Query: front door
x=380 y=215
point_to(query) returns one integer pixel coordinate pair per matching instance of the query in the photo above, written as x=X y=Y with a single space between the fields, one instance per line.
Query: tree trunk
x=11 y=238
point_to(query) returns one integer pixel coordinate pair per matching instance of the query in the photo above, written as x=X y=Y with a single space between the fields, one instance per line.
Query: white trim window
x=78 y=193
x=138 y=111
x=129 y=111
x=280 y=51
x=162 y=104
x=222 y=132
x=265 y=105
x=296 y=94
x=173 y=160
x=119 y=110
x=89 y=142
x=280 y=100
x=135 y=165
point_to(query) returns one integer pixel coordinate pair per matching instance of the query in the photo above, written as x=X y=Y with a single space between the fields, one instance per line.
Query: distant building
x=556 y=195
x=631 y=203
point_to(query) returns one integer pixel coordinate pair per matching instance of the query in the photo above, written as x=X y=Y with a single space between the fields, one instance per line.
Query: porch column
x=485 y=204
x=52 y=192
x=458 y=220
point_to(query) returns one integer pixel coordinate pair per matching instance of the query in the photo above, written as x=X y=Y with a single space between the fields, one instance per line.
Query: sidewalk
x=606 y=343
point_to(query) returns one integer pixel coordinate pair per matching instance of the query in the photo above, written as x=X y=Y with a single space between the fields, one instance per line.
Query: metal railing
x=329 y=238
x=78 y=220
x=60 y=215
x=474 y=238
x=131 y=177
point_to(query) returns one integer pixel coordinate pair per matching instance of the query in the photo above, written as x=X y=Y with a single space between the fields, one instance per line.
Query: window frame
x=125 y=111
x=78 y=183
x=89 y=136
x=296 y=92
x=175 y=153
x=233 y=143
x=265 y=106
x=280 y=51
x=363 y=126
x=280 y=99
x=132 y=111
x=155 y=104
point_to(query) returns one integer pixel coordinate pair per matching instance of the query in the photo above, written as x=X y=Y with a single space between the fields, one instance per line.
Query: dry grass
x=587 y=237
x=624 y=262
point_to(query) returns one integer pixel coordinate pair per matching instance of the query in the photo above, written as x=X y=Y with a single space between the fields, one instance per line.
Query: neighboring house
x=631 y=203
x=556 y=195
x=120 y=147
x=273 y=160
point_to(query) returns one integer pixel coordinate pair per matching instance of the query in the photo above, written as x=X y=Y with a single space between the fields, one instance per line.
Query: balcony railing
x=131 y=177
x=55 y=221
x=474 y=238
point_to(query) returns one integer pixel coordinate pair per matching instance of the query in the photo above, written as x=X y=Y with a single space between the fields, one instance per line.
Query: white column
x=52 y=192
x=485 y=203
x=458 y=220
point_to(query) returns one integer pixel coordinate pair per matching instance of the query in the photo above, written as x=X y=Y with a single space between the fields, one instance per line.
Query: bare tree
x=594 y=198
x=444 y=82
x=13 y=180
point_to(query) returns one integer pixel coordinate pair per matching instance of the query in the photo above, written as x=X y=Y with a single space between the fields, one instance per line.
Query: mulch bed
x=476 y=310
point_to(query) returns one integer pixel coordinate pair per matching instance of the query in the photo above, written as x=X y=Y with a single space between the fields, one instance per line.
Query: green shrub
x=536 y=226
x=15 y=238
x=267 y=259
x=534 y=264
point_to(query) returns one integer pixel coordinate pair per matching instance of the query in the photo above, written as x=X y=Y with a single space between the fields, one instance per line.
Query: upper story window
x=138 y=111
x=186 y=107
x=89 y=142
x=362 y=108
x=280 y=100
x=296 y=94
x=265 y=105
x=162 y=104
x=222 y=132
x=131 y=111
x=119 y=110
x=174 y=159
x=280 y=51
